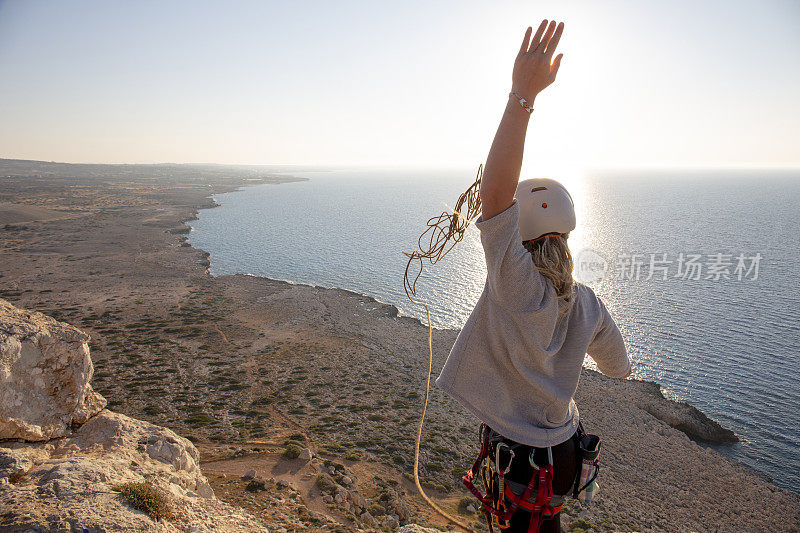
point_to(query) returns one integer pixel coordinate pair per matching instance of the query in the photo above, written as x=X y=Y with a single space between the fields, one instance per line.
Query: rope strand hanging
x=447 y=228
x=441 y=230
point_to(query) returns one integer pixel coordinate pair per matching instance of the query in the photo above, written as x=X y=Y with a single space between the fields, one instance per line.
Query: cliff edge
x=68 y=464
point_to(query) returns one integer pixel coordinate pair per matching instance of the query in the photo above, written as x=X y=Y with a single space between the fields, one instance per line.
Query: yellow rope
x=444 y=228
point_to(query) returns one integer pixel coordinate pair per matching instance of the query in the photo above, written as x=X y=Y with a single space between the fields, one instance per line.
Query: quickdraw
x=501 y=475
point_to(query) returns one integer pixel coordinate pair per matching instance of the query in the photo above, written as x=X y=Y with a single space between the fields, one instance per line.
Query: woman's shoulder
x=583 y=290
x=585 y=296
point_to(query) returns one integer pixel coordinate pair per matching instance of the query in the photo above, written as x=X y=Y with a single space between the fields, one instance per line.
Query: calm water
x=730 y=346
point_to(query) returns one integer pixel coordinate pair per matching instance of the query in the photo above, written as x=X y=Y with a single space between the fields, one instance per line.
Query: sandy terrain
x=15 y=213
x=240 y=365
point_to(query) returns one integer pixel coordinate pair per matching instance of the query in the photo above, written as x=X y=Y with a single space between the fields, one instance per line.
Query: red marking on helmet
x=544 y=205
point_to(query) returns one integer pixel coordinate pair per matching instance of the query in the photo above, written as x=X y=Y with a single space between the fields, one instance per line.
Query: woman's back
x=517 y=360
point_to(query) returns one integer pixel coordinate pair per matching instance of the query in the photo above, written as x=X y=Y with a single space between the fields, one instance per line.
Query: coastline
x=239 y=364
x=686 y=418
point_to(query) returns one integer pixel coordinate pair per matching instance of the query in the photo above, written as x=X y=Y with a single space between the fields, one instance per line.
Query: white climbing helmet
x=545 y=207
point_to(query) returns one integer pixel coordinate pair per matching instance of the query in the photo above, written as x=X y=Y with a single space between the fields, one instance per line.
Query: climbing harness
x=503 y=497
x=539 y=488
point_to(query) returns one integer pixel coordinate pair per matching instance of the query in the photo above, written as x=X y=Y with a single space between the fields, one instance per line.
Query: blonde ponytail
x=552 y=258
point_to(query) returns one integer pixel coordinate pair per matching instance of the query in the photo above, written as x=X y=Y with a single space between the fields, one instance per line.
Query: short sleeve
x=512 y=279
x=607 y=347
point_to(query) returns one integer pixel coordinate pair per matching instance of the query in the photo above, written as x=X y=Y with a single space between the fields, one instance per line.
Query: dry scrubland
x=254 y=371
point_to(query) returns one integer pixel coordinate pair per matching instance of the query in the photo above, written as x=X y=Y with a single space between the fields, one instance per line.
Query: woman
x=517 y=360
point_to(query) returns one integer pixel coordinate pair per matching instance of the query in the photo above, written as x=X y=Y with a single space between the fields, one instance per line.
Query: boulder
x=368 y=519
x=45 y=370
x=390 y=522
x=74 y=479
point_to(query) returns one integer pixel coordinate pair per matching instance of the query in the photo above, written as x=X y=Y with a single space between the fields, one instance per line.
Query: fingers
x=541 y=44
x=538 y=36
x=551 y=46
x=525 y=41
x=554 y=67
x=551 y=28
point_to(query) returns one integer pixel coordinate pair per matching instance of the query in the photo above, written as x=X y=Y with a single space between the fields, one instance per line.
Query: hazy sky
x=642 y=83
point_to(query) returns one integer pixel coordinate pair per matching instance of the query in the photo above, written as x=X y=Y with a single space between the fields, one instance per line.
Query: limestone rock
x=13 y=465
x=681 y=415
x=390 y=522
x=368 y=519
x=74 y=479
x=69 y=483
x=414 y=528
x=358 y=499
x=45 y=370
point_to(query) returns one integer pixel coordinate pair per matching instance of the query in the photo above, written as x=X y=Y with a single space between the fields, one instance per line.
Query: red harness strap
x=542 y=509
x=486 y=502
x=542 y=480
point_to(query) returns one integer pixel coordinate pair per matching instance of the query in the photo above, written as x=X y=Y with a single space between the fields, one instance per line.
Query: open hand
x=534 y=68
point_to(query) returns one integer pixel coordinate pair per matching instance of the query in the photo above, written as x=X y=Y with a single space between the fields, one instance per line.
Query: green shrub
x=146 y=498
x=264 y=400
x=465 y=502
x=376 y=510
x=292 y=441
x=580 y=525
x=200 y=419
x=325 y=483
x=256 y=485
x=292 y=451
x=353 y=456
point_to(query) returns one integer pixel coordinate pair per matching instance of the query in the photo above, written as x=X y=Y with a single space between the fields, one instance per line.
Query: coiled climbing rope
x=442 y=234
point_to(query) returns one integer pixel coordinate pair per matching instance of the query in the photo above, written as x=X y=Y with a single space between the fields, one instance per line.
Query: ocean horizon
x=684 y=264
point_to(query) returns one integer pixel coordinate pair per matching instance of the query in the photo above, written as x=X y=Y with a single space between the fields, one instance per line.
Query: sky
x=415 y=83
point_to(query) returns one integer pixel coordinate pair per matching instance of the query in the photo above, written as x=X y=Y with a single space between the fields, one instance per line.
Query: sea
x=698 y=267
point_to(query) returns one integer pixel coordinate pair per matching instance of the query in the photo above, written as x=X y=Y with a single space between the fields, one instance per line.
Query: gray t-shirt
x=515 y=363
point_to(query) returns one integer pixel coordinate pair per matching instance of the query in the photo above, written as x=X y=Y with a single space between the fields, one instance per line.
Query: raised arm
x=534 y=69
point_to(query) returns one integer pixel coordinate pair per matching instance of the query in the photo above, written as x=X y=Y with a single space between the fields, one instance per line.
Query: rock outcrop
x=72 y=483
x=682 y=416
x=45 y=371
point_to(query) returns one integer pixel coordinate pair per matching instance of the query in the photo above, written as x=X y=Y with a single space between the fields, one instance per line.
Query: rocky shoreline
x=245 y=368
x=678 y=414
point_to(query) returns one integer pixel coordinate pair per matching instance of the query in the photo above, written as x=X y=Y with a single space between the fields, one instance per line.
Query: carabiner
x=503 y=471
x=549 y=458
